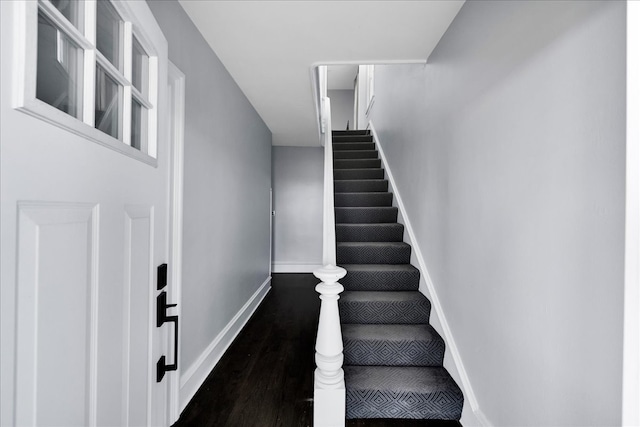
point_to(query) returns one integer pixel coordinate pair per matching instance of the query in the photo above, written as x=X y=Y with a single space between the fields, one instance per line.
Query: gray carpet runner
x=366 y=215
x=392 y=356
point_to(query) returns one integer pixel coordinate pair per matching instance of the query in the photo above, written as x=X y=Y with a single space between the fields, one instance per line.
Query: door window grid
x=113 y=91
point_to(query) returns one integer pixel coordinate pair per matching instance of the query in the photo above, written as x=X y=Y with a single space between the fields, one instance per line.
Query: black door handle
x=161 y=319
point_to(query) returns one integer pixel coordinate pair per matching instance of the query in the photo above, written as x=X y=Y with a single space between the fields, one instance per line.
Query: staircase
x=392 y=356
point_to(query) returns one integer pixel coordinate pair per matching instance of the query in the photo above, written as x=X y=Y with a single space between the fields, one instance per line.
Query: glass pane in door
x=72 y=10
x=109 y=33
x=60 y=65
x=140 y=68
x=108 y=107
x=138 y=125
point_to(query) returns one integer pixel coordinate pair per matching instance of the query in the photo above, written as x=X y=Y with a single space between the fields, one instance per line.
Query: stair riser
x=381 y=312
x=369 y=233
x=337 y=139
x=355 y=154
x=358 y=174
x=362 y=199
x=376 y=255
x=363 y=352
x=354 y=146
x=433 y=406
x=380 y=281
x=374 y=215
x=361 y=186
x=356 y=164
x=349 y=132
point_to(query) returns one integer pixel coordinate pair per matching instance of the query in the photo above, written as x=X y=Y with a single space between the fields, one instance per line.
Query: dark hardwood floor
x=266 y=376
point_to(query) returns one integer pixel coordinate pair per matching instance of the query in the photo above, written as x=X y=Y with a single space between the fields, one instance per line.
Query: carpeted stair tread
x=368 y=173
x=354 y=146
x=379 y=307
x=363 y=199
x=356 y=163
x=373 y=253
x=380 y=277
x=360 y=185
x=402 y=392
x=366 y=215
x=355 y=154
x=390 y=232
x=392 y=345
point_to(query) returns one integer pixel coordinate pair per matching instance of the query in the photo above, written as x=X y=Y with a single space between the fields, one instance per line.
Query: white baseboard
x=482 y=419
x=428 y=289
x=292 y=267
x=195 y=375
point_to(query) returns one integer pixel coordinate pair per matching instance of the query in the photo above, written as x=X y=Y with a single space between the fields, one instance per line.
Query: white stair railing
x=329 y=390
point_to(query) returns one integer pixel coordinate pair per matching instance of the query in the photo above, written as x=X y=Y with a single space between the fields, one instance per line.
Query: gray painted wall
x=508 y=149
x=297 y=174
x=227 y=177
x=341 y=108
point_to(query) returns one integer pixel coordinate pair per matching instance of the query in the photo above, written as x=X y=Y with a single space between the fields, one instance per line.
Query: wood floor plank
x=265 y=378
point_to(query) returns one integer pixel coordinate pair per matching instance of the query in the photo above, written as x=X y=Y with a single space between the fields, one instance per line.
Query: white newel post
x=329 y=394
x=329 y=397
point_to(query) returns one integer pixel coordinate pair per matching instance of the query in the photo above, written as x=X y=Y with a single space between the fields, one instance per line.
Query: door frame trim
x=176 y=110
x=631 y=349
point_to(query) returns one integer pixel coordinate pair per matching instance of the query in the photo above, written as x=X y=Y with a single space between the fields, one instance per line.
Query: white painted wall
x=341 y=108
x=508 y=149
x=297 y=174
x=363 y=102
x=227 y=176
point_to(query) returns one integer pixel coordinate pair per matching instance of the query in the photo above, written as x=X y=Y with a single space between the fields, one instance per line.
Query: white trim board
x=631 y=349
x=293 y=267
x=428 y=289
x=176 y=117
x=195 y=375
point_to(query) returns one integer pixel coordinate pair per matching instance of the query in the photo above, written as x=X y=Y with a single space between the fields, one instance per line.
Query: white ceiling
x=270 y=47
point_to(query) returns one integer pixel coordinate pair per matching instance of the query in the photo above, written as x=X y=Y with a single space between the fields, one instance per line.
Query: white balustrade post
x=329 y=396
x=329 y=393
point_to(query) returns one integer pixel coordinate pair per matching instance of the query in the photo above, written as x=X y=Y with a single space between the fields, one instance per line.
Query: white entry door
x=84 y=175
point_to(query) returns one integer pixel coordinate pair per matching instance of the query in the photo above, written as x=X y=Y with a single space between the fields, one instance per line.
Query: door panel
x=56 y=298
x=138 y=327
